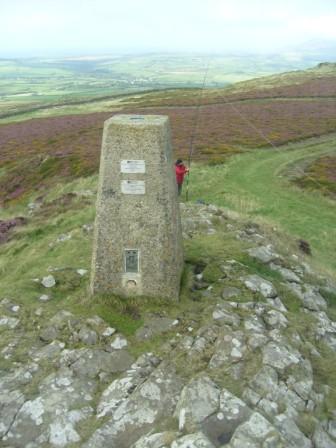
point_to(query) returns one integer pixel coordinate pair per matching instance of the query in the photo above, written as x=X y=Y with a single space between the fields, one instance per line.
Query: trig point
x=137 y=247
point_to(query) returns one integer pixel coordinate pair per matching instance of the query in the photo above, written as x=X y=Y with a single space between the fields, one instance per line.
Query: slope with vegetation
x=246 y=357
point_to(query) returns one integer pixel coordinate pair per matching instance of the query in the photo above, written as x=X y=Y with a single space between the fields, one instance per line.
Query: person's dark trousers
x=179 y=189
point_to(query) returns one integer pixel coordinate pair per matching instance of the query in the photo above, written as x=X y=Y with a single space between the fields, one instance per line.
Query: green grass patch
x=250 y=184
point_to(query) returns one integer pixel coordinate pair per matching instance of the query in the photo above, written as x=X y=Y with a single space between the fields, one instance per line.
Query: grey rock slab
x=87 y=336
x=331 y=428
x=301 y=380
x=158 y=440
x=92 y=362
x=258 y=284
x=254 y=323
x=309 y=295
x=321 y=439
x=48 y=281
x=44 y=298
x=269 y=408
x=220 y=426
x=117 y=392
x=95 y=322
x=52 y=416
x=277 y=304
x=251 y=397
x=230 y=348
x=108 y=331
x=19 y=376
x=205 y=339
x=49 y=334
x=9 y=322
x=222 y=316
x=153 y=401
x=49 y=352
x=291 y=433
x=62 y=319
x=280 y=357
x=197 y=440
x=313 y=300
x=286 y=274
x=257 y=340
x=10 y=404
x=198 y=400
x=256 y=432
x=324 y=324
x=119 y=342
x=264 y=254
x=275 y=319
x=229 y=292
x=120 y=389
x=288 y=399
x=265 y=381
x=154 y=326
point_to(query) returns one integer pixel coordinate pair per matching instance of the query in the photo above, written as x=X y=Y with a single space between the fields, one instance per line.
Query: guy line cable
x=243 y=117
x=195 y=126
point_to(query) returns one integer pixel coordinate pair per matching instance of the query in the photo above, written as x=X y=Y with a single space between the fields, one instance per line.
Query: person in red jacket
x=180 y=171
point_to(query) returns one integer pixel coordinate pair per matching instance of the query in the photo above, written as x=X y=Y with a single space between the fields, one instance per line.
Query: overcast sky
x=81 y=27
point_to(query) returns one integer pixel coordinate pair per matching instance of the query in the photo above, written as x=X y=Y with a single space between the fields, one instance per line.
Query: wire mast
x=194 y=131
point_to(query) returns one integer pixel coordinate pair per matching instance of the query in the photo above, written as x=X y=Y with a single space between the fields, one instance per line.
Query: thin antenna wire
x=196 y=125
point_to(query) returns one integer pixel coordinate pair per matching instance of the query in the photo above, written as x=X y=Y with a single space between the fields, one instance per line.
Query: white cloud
x=221 y=25
x=318 y=26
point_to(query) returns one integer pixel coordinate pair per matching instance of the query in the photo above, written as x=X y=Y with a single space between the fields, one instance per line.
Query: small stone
x=63 y=237
x=49 y=334
x=230 y=291
x=321 y=439
x=48 y=281
x=258 y=284
x=197 y=440
x=291 y=432
x=119 y=342
x=224 y=317
x=263 y=254
x=280 y=357
x=44 y=298
x=82 y=272
x=39 y=312
x=199 y=399
x=277 y=303
x=87 y=336
x=87 y=228
x=286 y=274
x=275 y=319
x=109 y=331
x=10 y=322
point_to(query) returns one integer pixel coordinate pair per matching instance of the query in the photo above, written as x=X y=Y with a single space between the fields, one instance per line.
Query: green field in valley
x=34 y=84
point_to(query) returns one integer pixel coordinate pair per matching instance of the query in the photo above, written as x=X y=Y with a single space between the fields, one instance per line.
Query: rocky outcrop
x=242 y=373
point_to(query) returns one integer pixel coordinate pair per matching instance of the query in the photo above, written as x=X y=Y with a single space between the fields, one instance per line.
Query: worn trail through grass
x=254 y=184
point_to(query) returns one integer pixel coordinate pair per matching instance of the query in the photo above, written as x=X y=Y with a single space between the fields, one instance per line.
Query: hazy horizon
x=46 y=28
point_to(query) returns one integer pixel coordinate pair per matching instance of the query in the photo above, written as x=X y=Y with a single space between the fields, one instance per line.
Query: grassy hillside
x=34 y=85
x=231 y=167
x=256 y=185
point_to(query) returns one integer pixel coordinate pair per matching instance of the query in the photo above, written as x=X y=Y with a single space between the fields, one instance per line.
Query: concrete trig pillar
x=137 y=246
